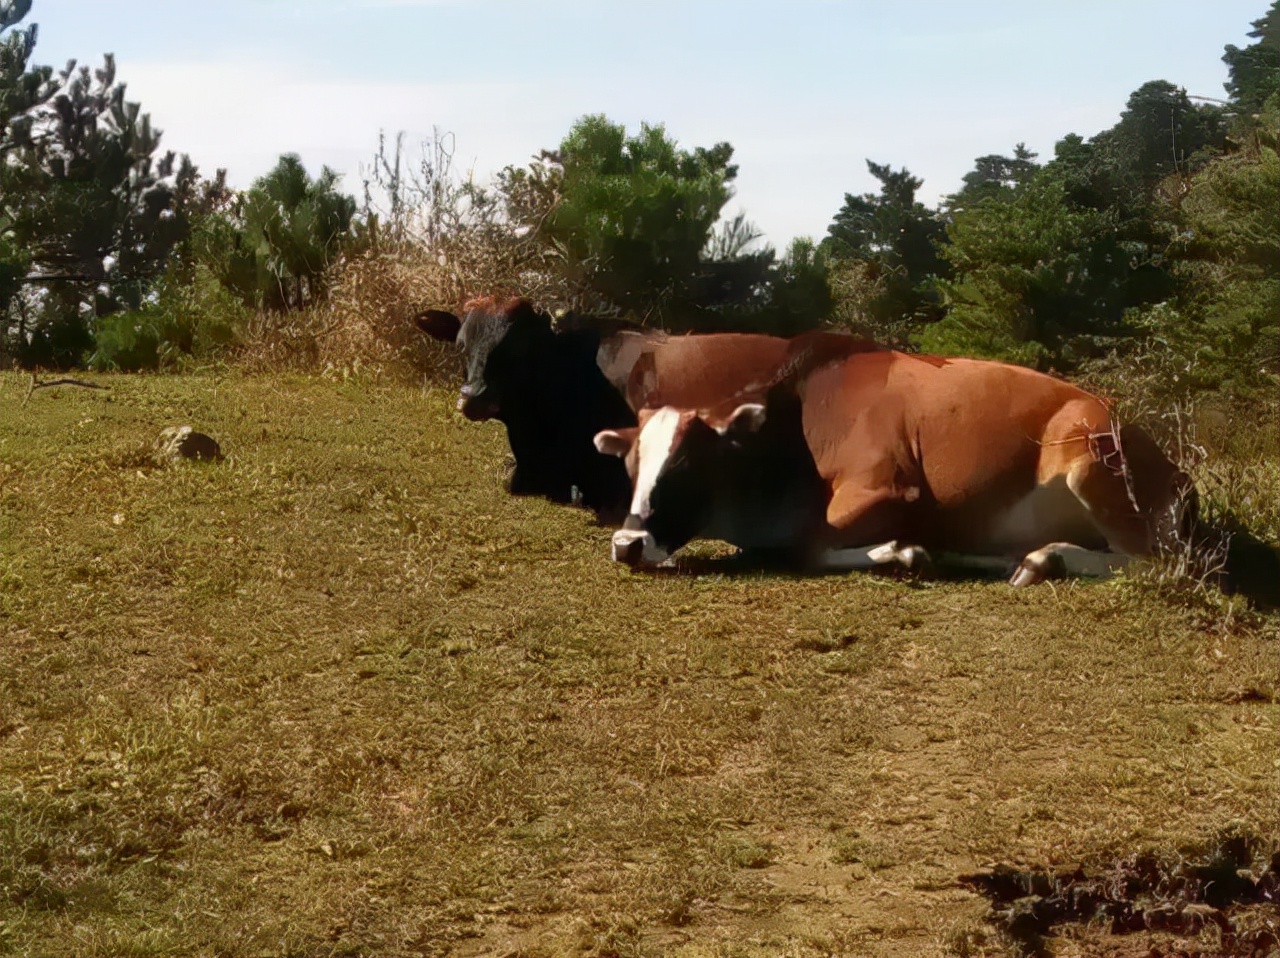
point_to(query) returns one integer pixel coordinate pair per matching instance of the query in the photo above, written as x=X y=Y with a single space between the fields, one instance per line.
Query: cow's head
x=674 y=458
x=500 y=345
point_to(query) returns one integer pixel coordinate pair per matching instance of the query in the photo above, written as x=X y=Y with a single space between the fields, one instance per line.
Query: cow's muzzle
x=637 y=549
x=475 y=403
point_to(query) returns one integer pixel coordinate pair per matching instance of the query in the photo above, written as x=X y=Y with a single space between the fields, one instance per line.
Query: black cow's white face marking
x=499 y=347
x=485 y=364
x=654 y=446
x=656 y=440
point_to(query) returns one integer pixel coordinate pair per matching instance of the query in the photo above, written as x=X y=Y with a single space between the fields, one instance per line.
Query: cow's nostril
x=634 y=552
x=628 y=548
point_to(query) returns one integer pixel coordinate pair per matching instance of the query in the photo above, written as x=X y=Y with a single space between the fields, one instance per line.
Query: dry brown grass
x=340 y=695
x=437 y=241
x=365 y=327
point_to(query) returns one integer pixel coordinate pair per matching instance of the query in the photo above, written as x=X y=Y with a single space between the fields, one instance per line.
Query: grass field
x=341 y=695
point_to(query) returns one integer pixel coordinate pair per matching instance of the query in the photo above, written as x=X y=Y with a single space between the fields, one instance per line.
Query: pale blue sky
x=805 y=90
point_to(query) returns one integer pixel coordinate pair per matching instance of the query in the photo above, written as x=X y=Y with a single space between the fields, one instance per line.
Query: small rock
x=182 y=442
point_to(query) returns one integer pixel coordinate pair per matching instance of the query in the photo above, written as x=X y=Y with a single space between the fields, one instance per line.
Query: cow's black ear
x=439 y=324
x=746 y=419
x=522 y=311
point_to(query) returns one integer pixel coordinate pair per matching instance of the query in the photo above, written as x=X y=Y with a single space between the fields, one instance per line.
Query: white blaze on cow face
x=654 y=443
x=653 y=448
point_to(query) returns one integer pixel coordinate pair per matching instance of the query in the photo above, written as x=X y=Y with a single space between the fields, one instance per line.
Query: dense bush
x=187 y=319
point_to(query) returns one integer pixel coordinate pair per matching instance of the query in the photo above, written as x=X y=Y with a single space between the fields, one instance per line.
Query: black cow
x=547 y=387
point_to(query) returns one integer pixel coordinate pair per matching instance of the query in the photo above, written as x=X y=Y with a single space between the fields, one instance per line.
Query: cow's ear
x=613 y=443
x=746 y=419
x=439 y=324
x=522 y=311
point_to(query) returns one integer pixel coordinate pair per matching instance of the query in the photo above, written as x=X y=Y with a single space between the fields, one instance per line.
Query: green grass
x=341 y=695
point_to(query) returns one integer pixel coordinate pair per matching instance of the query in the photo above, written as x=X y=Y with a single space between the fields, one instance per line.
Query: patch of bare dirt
x=814 y=897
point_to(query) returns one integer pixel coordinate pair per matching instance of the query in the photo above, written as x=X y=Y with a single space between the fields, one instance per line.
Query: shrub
x=194 y=319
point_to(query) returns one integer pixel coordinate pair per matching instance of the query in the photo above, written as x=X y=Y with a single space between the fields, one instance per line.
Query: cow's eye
x=676 y=490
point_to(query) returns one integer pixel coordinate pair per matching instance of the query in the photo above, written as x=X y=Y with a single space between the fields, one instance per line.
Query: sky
x=805 y=90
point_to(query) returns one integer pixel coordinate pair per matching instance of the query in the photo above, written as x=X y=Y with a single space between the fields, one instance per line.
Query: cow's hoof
x=1026 y=574
x=914 y=558
x=1042 y=564
x=629 y=552
x=917 y=559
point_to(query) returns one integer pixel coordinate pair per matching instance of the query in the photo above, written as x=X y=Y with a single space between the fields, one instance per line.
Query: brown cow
x=854 y=458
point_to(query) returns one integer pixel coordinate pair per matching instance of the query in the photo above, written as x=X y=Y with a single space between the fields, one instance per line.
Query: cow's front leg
x=912 y=557
x=863 y=513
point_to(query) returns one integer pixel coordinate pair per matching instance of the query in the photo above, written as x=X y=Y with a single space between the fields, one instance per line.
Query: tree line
x=1155 y=238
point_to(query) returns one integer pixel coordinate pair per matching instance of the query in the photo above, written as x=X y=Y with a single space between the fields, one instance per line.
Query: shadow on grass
x=785 y=566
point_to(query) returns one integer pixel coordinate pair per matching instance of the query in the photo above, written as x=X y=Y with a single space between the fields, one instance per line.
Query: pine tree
x=22 y=89
x=1034 y=279
x=633 y=220
x=1161 y=132
x=896 y=238
x=1255 y=70
x=280 y=237
x=995 y=177
x=96 y=211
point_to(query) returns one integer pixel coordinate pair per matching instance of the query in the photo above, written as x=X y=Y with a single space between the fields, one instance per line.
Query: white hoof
x=1026 y=575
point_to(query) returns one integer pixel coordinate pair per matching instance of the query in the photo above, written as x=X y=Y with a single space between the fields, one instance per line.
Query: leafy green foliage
x=14 y=264
x=1149 y=240
x=633 y=220
x=95 y=210
x=1050 y=262
x=1160 y=132
x=98 y=191
x=1223 y=329
x=799 y=291
x=996 y=177
x=191 y=315
x=1028 y=277
x=273 y=247
x=22 y=87
x=636 y=212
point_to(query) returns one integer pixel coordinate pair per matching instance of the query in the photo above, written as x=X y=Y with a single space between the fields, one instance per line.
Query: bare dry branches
x=49 y=384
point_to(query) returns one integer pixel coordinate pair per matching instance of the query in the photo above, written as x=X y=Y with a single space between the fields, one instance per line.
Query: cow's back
x=700 y=371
